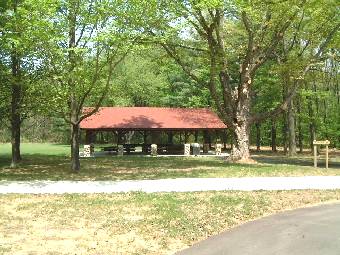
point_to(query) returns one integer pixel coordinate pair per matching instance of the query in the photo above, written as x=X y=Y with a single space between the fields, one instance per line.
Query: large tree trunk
x=75 y=162
x=241 y=121
x=15 y=110
x=15 y=126
x=240 y=149
x=291 y=130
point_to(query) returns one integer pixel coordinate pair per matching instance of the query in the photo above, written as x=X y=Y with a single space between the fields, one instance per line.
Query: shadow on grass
x=48 y=167
x=43 y=167
x=300 y=160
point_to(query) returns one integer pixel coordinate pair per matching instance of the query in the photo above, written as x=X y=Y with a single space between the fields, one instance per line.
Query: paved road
x=308 y=231
x=171 y=185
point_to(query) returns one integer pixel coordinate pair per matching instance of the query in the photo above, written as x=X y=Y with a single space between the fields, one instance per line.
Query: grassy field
x=138 y=223
x=134 y=223
x=51 y=162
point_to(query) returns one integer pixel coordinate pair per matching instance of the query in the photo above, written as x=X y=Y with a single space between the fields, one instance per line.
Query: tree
x=234 y=39
x=139 y=80
x=81 y=61
x=21 y=29
x=304 y=47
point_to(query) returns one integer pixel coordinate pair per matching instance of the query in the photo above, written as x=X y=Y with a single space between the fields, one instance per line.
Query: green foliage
x=54 y=72
x=22 y=32
x=148 y=77
x=139 y=80
x=86 y=45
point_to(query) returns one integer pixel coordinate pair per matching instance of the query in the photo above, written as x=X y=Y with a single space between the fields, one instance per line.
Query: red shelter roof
x=144 y=118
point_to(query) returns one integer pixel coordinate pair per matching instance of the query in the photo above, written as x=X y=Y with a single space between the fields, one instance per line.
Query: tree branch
x=112 y=66
x=259 y=117
x=172 y=52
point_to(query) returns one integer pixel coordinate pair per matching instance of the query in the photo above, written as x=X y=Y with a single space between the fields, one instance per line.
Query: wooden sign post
x=316 y=143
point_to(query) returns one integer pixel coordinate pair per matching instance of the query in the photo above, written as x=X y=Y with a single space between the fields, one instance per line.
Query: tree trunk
x=15 y=110
x=128 y=136
x=241 y=125
x=300 y=138
x=258 y=136
x=312 y=126
x=291 y=129
x=285 y=87
x=273 y=134
x=15 y=126
x=240 y=149
x=75 y=162
x=285 y=133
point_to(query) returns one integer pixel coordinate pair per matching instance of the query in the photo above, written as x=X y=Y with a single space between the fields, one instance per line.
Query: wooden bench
x=109 y=148
x=175 y=149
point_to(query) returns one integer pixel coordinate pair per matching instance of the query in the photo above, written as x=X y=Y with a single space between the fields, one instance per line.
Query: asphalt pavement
x=307 y=231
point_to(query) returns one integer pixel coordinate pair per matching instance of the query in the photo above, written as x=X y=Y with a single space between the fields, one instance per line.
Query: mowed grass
x=138 y=223
x=134 y=223
x=45 y=149
x=52 y=162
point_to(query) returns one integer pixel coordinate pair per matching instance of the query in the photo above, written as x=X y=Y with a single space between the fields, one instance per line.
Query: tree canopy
x=261 y=65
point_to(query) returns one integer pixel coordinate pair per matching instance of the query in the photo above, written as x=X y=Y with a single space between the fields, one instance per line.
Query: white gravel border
x=171 y=185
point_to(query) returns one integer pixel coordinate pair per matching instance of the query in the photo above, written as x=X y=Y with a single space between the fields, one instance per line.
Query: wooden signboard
x=321 y=142
x=316 y=143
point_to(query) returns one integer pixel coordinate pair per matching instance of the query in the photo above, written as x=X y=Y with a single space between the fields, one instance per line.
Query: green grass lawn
x=37 y=149
x=134 y=223
x=51 y=162
x=138 y=223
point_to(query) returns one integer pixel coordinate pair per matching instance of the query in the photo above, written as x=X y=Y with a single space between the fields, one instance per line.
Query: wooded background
x=268 y=68
x=149 y=78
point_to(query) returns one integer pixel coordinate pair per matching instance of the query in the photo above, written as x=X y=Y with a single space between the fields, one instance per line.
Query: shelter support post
x=187 y=149
x=224 y=136
x=145 y=136
x=119 y=137
x=145 y=147
x=156 y=137
x=153 y=150
x=186 y=136
x=206 y=141
x=218 y=149
x=89 y=137
x=170 y=137
x=120 y=150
